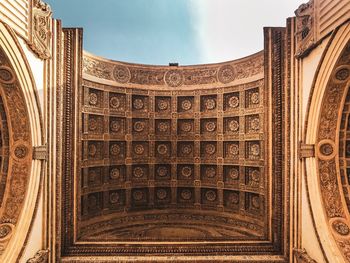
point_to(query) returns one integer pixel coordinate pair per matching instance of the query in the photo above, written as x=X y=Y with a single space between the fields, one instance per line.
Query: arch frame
x=335 y=246
x=28 y=92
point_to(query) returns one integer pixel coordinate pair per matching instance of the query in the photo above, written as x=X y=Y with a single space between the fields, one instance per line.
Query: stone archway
x=326 y=173
x=20 y=131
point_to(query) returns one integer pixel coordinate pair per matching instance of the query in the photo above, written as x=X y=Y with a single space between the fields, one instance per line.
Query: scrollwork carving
x=40 y=29
x=305 y=28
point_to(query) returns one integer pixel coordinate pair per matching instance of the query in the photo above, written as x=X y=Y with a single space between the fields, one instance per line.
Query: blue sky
x=163 y=31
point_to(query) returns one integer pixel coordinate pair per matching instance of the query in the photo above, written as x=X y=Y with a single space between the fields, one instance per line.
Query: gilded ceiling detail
x=152 y=159
x=172 y=159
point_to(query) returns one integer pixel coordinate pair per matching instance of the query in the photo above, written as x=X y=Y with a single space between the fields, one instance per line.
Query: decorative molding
x=305 y=28
x=40 y=29
x=40 y=152
x=40 y=257
x=302 y=257
x=175 y=77
x=306 y=150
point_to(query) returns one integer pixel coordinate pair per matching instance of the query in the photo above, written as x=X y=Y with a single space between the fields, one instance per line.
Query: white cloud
x=230 y=29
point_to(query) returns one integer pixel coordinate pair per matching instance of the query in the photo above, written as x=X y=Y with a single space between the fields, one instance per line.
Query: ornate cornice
x=174 y=76
x=40 y=29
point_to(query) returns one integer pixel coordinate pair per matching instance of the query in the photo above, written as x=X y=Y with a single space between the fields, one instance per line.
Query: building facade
x=240 y=161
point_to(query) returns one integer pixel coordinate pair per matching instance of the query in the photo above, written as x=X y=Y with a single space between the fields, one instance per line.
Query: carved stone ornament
x=305 y=28
x=332 y=153
x=161 y=194
x=40 y=29
x=40 y=257
x=114 y=198
x=233 y=198
x=186 y=194
x=163 y=126
x=226 y=74
x=174 y=78
x=114 y=102
x=139 y=126
x=210 y=195
x=139 y=149
x=233 y=125
x=210 y=126
x=162 y=171
x=121 y=74
x=138 y=172
x=16 y=153
x=115 y=126
x=234 y=173
x=302 y=256
x=114 y=173
x=163 y=105
x=186 y=171
x=186 y=105
x=233 y=102
x=138 y=195
x=210 y=172
x=6 y=75
x=210 y=104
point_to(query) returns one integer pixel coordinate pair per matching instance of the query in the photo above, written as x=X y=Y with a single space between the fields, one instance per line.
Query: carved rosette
x=6 y=75
x=121 y=74
x=174 y=78
x=226 y=74
x=40 y=29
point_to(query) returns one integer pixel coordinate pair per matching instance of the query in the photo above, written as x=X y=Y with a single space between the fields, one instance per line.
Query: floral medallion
x=186 y=194
x=139 y=126
x=115 y=150
x=114 y=102
x=93 y=99
x=114 y=198
x=186 y=105
x=138 y=172
x=138 y=104
x=114 y=173
x=210 y=172
x=161 y=194
x=186 y=171
x=233 y=102
x=139 y=149
x=233 y=125
x=210 y=195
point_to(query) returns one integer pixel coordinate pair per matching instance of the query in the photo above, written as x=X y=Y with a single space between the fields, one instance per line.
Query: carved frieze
x=173 y=76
